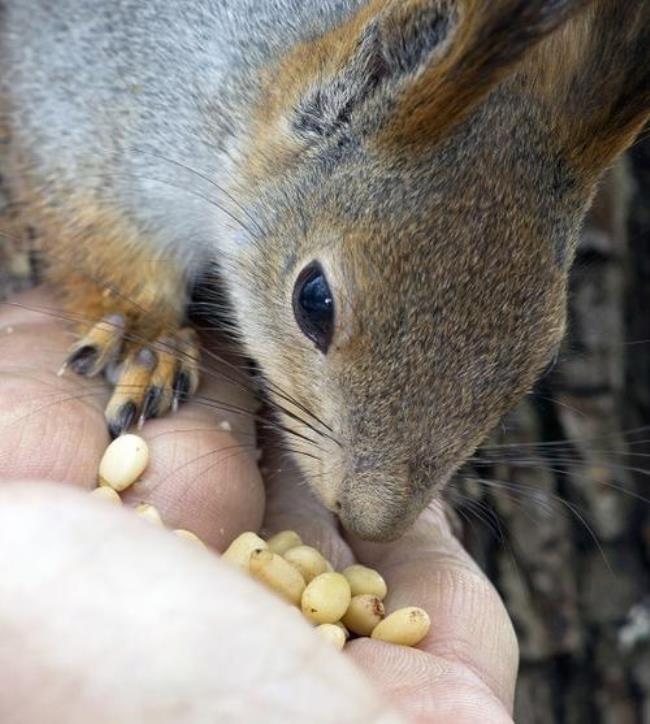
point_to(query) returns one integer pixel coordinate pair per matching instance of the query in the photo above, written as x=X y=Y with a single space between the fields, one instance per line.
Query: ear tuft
x=440 y=57
x=610 y=92
x=489 y=41
x=412 y=36
x=328 y=105
x=397 y=42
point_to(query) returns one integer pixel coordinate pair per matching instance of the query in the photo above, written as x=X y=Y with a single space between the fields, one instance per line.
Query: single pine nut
x=343 y=628
x=107 y=494
x=307 y=560
x=365 y=580
x=332 y=633
x=326 y=598
x=124 y=461
x=239 y=551
x=407 y=627
x=189 y=536
x=281 y=542
x=364 y=614
x=277 y=574
x=148 y=512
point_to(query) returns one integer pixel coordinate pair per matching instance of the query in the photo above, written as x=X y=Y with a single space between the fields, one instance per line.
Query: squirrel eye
x=313 y=306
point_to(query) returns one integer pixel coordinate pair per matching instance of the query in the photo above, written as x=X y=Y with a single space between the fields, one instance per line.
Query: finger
x=426 y=688
x=154 y=629
x=291 y=505
x=51 y=427
x=203 y=477
x=470 y=627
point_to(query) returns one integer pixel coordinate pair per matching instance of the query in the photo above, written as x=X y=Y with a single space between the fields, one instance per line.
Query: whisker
x=191 y=192
x=206 y=178
x=238 y=379
x=564 y=443
x=573 y=509
x=277 y=391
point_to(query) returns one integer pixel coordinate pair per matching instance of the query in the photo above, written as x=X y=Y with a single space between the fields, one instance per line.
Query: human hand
x=106 y=618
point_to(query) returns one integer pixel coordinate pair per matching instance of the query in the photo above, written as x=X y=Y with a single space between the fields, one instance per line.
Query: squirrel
x=388 y=193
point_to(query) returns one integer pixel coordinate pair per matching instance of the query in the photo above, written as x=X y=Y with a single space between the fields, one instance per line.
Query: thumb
x=471 y=643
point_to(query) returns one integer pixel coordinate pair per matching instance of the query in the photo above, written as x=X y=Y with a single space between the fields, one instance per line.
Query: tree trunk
x=556 y=516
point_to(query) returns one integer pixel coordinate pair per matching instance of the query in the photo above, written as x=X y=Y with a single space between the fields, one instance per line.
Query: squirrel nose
x=377 y=506
x=370 y=526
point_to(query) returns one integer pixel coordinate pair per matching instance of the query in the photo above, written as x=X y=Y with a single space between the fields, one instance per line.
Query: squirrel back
x=391 y=193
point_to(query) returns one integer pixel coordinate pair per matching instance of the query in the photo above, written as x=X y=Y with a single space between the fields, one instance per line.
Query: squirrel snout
x=379 y=505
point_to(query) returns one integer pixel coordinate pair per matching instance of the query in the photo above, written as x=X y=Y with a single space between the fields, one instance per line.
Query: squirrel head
x=418 y=177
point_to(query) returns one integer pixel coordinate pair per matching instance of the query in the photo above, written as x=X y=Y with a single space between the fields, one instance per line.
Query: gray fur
x=184 y=74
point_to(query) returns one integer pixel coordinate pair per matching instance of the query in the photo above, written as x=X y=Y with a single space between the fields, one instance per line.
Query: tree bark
x=565 y=531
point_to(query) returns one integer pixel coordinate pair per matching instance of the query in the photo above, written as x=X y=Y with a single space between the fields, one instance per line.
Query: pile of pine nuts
x=340 y=605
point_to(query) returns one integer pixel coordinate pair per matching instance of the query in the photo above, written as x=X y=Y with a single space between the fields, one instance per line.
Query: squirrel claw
x=84 y=360
x=149 y=380
x=152 y=404
x=153 y=380
x=123 y=420
x=98 y=348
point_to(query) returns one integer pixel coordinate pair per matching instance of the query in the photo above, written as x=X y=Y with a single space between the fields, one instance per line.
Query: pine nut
x=407 y=627
x=189 y=536
x=326 y=598
x=365 y=580
x=148 y=512
x=307 y=560
x=364 y=614
x=343 y=628
x=332 y=633
x=281 y=542
x=107 y=494
x=124 y=461
x=239 y=551
x=277 y=574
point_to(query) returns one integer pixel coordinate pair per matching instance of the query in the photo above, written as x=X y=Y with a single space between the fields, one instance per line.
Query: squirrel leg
x=126 y=293
x=153 y=379
x=129 y=306
x=145 y=352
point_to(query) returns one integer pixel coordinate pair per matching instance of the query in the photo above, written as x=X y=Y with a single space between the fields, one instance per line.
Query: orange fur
x=102 y=266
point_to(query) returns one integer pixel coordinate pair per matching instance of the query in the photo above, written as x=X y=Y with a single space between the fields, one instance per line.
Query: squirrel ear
x=488 y=40
x=437 y=58
x=600 y=89
x=383 y=42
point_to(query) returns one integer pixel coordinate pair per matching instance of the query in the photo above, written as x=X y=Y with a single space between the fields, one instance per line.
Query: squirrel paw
x=149 y=379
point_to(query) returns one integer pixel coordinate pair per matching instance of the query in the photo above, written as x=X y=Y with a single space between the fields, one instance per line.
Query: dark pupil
x=314 y=306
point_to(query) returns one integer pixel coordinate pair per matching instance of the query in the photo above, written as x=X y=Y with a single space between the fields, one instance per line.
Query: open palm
x=106 y=618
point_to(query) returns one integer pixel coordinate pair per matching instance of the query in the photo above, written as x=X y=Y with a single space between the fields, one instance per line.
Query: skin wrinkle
x=433 y=701
x=451 y=571
x=453 y=647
